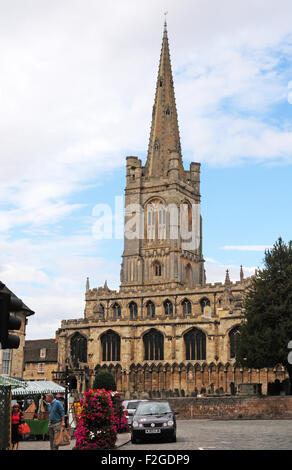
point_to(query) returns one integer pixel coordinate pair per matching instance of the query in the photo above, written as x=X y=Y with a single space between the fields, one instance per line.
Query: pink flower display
x=98 y=423
x=121 y=418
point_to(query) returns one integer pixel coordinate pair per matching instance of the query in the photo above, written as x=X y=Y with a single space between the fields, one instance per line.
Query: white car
x=131 y=409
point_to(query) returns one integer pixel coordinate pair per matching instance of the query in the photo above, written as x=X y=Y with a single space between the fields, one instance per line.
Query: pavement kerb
x=123 y=439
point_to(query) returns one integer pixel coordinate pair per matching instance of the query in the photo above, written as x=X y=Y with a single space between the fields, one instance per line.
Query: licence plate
x=153 y=431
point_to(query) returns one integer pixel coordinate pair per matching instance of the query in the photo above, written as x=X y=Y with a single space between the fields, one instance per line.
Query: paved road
x=225 y=435
x=45 y=445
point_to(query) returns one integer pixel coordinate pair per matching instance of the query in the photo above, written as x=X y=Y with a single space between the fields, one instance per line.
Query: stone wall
x=279 y=407
x=31 y=371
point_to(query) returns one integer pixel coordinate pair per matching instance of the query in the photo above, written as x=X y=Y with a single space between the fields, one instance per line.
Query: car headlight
x=170 y=423
x=135 y=424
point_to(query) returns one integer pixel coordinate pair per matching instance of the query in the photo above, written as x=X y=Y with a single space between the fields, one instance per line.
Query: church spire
x=164 y=142
x=227 y=278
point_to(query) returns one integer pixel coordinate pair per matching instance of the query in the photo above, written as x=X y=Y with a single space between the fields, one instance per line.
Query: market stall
x=35 y=415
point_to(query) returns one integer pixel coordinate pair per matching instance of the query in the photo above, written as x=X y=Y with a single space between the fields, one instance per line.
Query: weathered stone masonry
x=165 y=329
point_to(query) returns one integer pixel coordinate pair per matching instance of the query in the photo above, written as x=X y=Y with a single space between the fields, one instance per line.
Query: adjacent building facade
x=166 y=329
x=11 y=360
x=40 y=359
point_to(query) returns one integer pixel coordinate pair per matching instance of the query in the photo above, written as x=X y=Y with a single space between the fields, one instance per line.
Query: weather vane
x=165 y=13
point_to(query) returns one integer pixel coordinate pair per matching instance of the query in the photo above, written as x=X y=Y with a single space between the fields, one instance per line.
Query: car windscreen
x=153 y=409
x=133 y=405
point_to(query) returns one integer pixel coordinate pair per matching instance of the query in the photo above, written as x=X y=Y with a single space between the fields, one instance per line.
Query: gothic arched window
x=153 y=346
x=204 y=302
x=233 y=338
x=195 y=343
x=101 y=311
x=187 y=307
x=116 y=310
x=161 y=222
x=111 y=345
x=168 y=308
x=150 y=309
x=186 y=219
x=150 y=222
x=133 y=310
x=156 y=220
x=78 y=347
x=156 y=269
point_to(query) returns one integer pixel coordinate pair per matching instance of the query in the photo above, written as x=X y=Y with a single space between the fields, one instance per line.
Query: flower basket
x=97 y=423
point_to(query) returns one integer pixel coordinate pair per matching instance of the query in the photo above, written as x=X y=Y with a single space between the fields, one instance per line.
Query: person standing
x=16 y=420
x=56 y=419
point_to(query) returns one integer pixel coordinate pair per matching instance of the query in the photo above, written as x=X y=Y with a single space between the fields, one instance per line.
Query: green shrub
x=104 y=380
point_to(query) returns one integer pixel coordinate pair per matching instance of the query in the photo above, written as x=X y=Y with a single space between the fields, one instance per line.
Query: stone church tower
x=167 y=252
x=165 y=331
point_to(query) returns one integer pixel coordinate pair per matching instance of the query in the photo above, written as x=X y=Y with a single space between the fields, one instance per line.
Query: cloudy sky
x=77 y=82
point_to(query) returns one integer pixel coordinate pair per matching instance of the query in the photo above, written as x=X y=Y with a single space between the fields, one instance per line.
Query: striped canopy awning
x=38 y=387
x=12 y=382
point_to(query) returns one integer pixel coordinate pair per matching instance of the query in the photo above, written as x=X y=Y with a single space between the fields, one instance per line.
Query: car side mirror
x=176 y=412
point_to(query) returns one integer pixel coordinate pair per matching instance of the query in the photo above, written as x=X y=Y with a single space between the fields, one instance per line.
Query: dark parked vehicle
x=153 y=418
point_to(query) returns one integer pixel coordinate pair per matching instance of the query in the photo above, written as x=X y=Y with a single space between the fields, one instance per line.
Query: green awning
x=12 y=382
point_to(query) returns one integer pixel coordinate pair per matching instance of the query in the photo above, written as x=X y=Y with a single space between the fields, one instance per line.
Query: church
x=166 y=331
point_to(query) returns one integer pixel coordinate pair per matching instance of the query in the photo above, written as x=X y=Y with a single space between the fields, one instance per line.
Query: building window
x=195 y=343
x=186 y=218
x=156 y=269
x=133 y=310
x=156 y=221
x=116 y=310
x=111 y=345
x=168 y=308
x=6 y=361
x=78 y=349
x=43 y=352
x=204 y=303
x=161 y=222
x=101 y=311
x=233 y=339
x=150 y=222
x=150 y=309
x=153 y=346
x=41 y=368
x=187 y=307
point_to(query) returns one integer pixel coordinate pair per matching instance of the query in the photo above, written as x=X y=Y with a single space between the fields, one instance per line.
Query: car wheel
x=133 y=440
x=173 y=439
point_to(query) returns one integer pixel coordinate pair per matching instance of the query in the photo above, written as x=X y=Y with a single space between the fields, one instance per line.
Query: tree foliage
x=267 y=326
x=104 y=380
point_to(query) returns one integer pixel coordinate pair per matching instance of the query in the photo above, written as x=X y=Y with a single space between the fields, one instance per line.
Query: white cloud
x=247 y=247
x=216 y=272
x=77 y=82
x=77 y=86
x=49 y=275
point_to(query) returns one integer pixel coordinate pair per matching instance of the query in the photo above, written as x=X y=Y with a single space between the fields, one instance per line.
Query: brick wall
x=276 y=407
